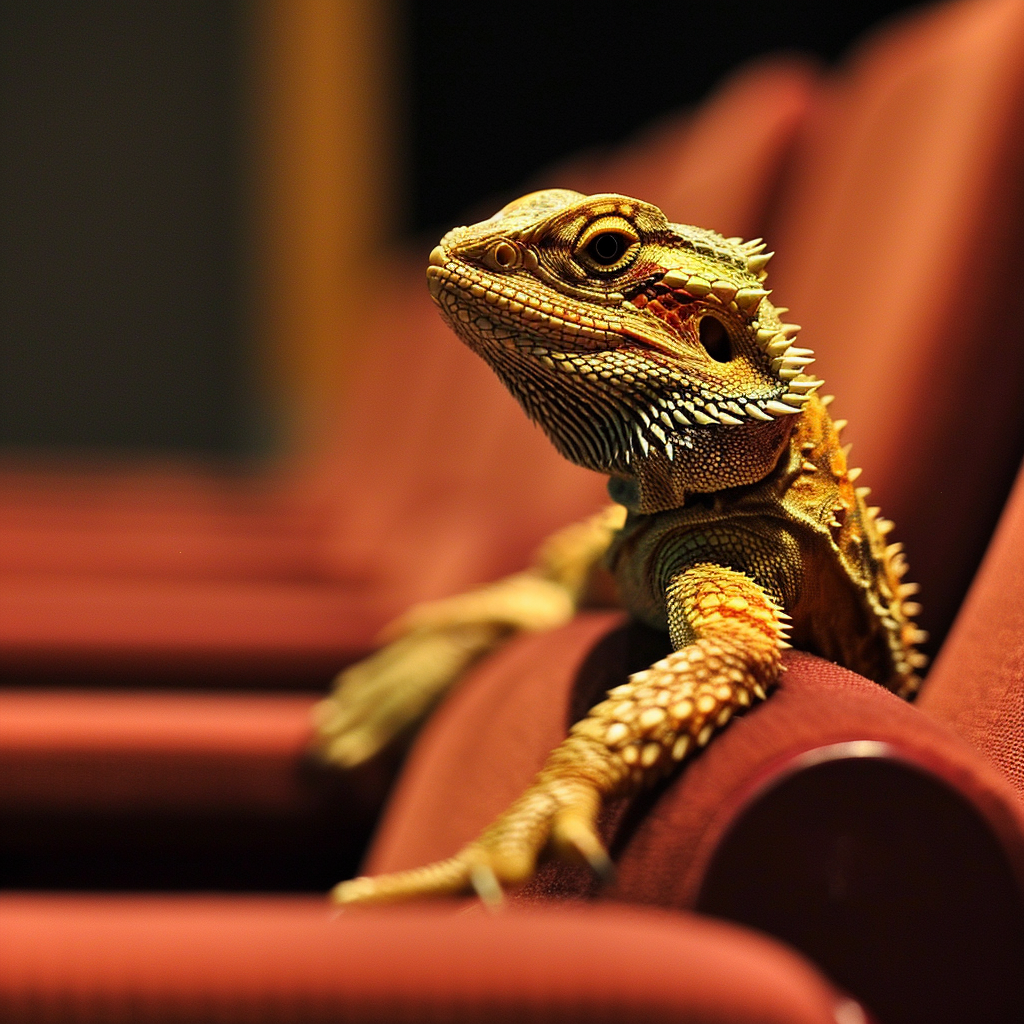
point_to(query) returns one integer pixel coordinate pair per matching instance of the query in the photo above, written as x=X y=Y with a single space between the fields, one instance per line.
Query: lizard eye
x=608 y=244
x=607 y=248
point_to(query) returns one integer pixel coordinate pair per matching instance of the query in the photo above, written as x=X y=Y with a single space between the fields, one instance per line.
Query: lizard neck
x=705 y=461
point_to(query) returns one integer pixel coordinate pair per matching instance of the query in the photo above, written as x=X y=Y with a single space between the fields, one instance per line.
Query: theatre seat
x=255 y=960
x=883 y=841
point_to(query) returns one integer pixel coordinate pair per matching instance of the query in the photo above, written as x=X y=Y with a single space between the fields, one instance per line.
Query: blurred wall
x=188 y=195
x=120 y=158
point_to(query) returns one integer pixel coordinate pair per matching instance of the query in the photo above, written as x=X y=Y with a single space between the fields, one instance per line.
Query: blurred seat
x=255 y=960
x=884 y=841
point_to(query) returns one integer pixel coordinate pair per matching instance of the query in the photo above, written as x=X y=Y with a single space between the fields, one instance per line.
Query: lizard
x=648 y=351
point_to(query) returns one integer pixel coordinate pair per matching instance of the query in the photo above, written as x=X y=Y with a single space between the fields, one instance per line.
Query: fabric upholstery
x=234 y=961
x=977 y=685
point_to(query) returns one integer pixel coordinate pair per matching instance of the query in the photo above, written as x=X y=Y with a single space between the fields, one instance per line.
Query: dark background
x=494 y=91
x=121 y=322
x=122 y=166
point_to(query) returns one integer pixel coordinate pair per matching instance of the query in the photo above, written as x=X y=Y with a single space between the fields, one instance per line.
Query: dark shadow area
x=169 y=853
x=306 y=850
x=889 y=880
x=494 y=92
x=293 y=672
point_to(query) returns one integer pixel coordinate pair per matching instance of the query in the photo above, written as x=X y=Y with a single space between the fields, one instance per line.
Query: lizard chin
x=704 y=460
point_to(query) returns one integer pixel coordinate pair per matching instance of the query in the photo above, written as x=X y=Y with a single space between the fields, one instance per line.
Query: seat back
x=897 y=229
x=977 y=684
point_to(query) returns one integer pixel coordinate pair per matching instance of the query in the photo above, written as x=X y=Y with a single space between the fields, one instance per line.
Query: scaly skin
x=649 y=351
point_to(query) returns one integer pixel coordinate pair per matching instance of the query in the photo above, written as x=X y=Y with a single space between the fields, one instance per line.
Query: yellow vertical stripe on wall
x=320 y=200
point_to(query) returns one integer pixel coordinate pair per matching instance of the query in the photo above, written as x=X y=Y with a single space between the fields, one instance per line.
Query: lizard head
x=644 y=349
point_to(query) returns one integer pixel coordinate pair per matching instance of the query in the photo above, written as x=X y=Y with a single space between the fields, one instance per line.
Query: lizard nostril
x=715 y=339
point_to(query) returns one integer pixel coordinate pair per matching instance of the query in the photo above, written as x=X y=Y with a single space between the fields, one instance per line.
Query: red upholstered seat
x=252 y=960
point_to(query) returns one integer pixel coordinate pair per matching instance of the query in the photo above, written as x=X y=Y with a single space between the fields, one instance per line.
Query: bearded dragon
x=648 y=351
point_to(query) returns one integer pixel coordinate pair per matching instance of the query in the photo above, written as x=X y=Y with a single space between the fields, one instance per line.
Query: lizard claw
x=451 y=877
x=575 y=838
x=551 y=817
x=487 y=887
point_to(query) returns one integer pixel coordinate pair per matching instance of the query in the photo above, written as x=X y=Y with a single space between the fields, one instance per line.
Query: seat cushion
x=195 y=959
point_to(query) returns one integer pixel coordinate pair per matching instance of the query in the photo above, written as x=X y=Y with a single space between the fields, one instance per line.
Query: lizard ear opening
x=715 y=339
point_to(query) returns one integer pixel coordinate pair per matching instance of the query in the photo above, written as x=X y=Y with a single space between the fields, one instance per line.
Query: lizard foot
x=388 y=694
x=554 y=817
x=427 y=651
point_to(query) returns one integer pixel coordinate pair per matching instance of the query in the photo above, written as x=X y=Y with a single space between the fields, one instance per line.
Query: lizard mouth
x=495 y=315
x=468 y=296
x=436 y=276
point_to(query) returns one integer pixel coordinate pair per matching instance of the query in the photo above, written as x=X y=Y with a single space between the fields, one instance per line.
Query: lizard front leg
x=429 y=648
x=728 y=632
